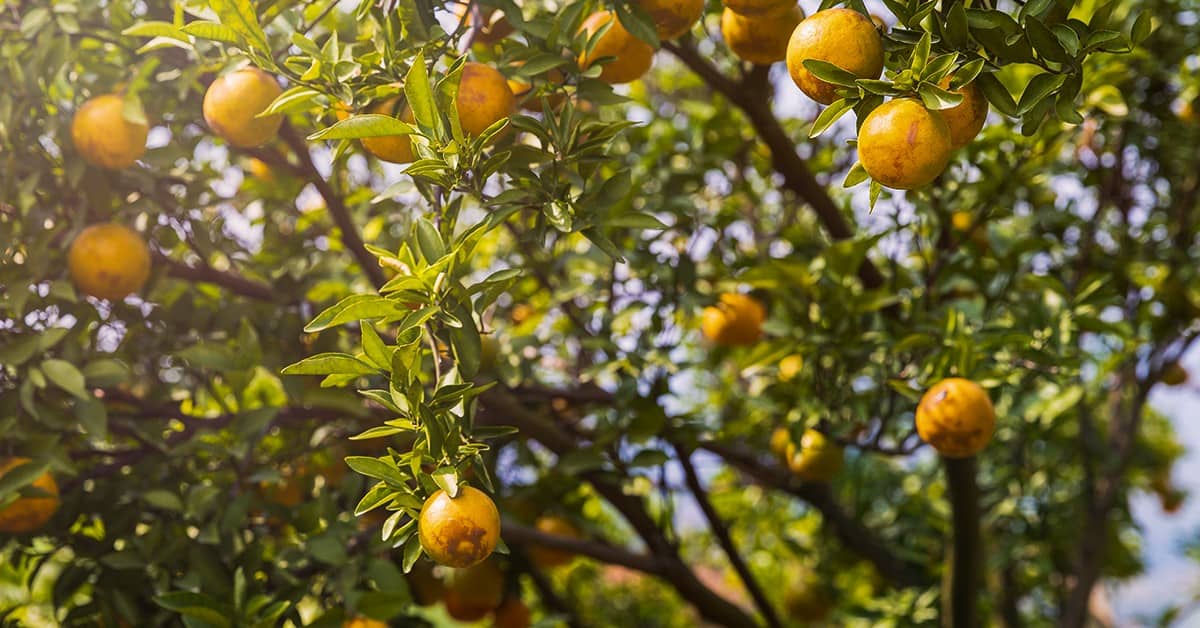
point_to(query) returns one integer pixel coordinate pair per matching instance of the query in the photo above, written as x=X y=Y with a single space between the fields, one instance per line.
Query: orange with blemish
x=460 y=531
x=956 y=417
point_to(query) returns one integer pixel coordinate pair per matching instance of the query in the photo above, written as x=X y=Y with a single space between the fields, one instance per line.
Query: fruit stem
x=960 y=592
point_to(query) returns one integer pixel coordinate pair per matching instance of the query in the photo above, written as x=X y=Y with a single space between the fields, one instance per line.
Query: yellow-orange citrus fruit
x=790 y=366
x=633 y=56
x=673 y=18
x=843 y=37
x=29 y=513
x=364 y=622
x=817 y=459
x=484 y=98
x=781 y=439
x=462 y=531
x=523 y=91
x=394 y=148
x=761 y=39
x=495 y=26
x=964 y=222
x=426 y=588
x=513 y=613
x=287 y=491
x=109 y=261
x=1187 y=111
x=750 y=8
x=474 y=592
x=546 y=557
x=967 y=117
x=903 y=145
x=104 y=137
x=521 y=312
x=735 y=320
x=806 y=599
x=956 y=417
x=260 y=170
x=1174 y=375
x=233 y=102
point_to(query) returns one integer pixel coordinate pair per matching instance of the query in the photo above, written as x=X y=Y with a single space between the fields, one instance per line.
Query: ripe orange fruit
x=495 y=26
x=818 y=459
x=673 y=18
x=364 y=622
x=790 y=367
x=735 y=320
x=462 y=531
x=749 y=8
x=513 y=613
x=524 y=91
x=761 y=39
x=1187 y=111
x=109 y=261
x=956 y=417
x=104 y=137
x=260 y=170
x=1174 y=375
x=425 y=587
x=806 y=599
x=287 y=491
x=843 y=37
x=233 y=102
x=27 y=514
x=633 y=56
x=484 y=98
x=475 y=591
x=394 y=148
x=963 y=221
x=967 y=117
x=903 y=145
x=545 y=557
x=781 y=439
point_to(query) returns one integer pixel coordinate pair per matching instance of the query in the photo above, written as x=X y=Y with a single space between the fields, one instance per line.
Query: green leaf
x=831 y=114
x=830 y=73
x=155 y=29
x=240 y=16
x=1143 y=26
x=355 y=308
x=376 y=350
x=920 y=55
x=634 y=17
x=966 y=73
x=294 y=100
x=64 y=375
x=447 y=479
x=329 y=364
x=364 y=125
x=997 y=94
x=857 y=175
x=1045 y=42
x=1039 y=88
x=163 y=499
x=22 y=476
x=197 y=606
x=419 y=93
x=428 y=240
x=377 y=469
x=215 y=32
x=936 y=98
x=93 y=417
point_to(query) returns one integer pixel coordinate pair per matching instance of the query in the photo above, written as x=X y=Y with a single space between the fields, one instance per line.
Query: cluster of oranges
x=469 y=595
x=955 y=416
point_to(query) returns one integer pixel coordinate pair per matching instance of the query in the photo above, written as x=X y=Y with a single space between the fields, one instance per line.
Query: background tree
x=648 y=323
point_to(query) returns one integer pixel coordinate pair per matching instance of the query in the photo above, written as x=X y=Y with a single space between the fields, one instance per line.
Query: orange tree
x=590 y=299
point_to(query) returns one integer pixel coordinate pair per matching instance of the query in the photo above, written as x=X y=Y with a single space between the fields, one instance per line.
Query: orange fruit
x=761 y=39
x=287 y=491
x=956 y=417
x=967 y=117
x=260 y=170
x=736 y=320
x=673 y=18
x=1174 y=375
x=524 y=91
x=364 y=622
x=474 y=592
x=109 y=261
x=633 y=57
x=484 y=98
x=104 y=137
x=963 y=221
x=903 y=145
x=749 y=8
x=790 y=367
x=781 y=440
x=546 y=557
x=513 y=613
x=843 y=37
x=233 y=102
x=460 y=531
x=817 y=459
x=27 y=514
x=495 y=26
x=394 y=148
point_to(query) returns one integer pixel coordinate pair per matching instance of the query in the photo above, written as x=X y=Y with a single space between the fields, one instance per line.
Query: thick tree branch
x=855 y=536
x=796 y=175
x=722 y=533
x=226 y=279
x=336 y=207
x=960 y=597
x=518 y=534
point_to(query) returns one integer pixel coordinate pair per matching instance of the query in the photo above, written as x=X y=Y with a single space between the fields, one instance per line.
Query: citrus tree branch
x=796 y=175
x=722 y=533
x=226 y=279
x=853 y=534
x=518 y=534
x=960 y=599
x=335 y=205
